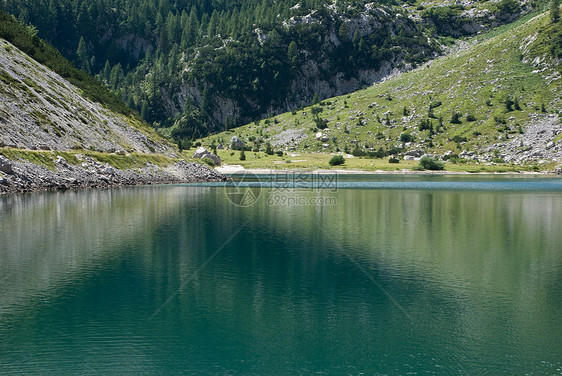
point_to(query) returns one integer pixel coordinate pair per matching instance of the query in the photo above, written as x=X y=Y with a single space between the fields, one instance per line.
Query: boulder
x=236 y=143
x=61 y=161
x=201 y=152
x=5 y=165
x=108 y=170
x=413 y=153
x=319 y=135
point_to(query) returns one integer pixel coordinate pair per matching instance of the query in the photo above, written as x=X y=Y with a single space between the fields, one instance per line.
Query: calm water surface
x=373 y=275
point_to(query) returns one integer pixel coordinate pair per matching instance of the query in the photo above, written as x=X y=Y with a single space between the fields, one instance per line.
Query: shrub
x=336 y=160
x=208 y=161
x=499 y=120
x=358 y=152
x=393 y=160
x=428 y=163
x=279 y=153
x=470 y=117
x=406 y=137
x=456 y=118
x=242 y=155
x=509 y=104
x=426 y=124
x=507 y=6
x=268 y=149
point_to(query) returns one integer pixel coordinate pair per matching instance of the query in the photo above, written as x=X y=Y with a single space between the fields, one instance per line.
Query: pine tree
x=315 y=99
x=356 y=38
x=343 y=32
x=116 y=76
x=206 y=100
x=106 y=71
x=555 y=10
x=293 y=54
x=82 y=54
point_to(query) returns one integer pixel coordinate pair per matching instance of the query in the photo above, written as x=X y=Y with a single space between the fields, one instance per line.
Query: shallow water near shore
x=379 y=275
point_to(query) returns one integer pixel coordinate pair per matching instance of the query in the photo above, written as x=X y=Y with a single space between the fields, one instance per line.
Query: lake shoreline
x=240 y=170
x=23 y=176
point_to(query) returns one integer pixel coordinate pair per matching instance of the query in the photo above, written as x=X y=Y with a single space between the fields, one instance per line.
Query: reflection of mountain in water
x=58 y=234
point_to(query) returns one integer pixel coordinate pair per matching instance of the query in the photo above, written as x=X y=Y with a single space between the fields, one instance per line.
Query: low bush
x=208 y=161
x=336 y=160
x=429 y=163
x=406 y=137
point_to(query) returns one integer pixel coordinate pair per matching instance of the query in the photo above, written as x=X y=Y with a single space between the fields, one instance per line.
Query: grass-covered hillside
x=497 y=99
x=195 y=67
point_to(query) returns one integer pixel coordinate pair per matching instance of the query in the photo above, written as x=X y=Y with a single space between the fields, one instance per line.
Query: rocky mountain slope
x=495 y=99
x=51 y=137
x=41 y=110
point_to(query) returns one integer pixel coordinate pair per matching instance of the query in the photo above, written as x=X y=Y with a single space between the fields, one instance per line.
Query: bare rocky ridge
x=41 y=110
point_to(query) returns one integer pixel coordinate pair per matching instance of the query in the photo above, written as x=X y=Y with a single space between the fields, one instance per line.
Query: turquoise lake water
x=332 y=275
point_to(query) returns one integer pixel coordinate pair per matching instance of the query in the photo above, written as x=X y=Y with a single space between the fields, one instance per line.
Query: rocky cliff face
x=316 y=71
x=41 y=110
x=341 y=63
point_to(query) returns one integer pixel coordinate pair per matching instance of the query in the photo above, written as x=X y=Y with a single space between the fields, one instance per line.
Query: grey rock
x=236 y=143
x=61 y=161
x=413 y=153
x=201 y=152
x=29 y=177
x=5 y=165
x=108 y=171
